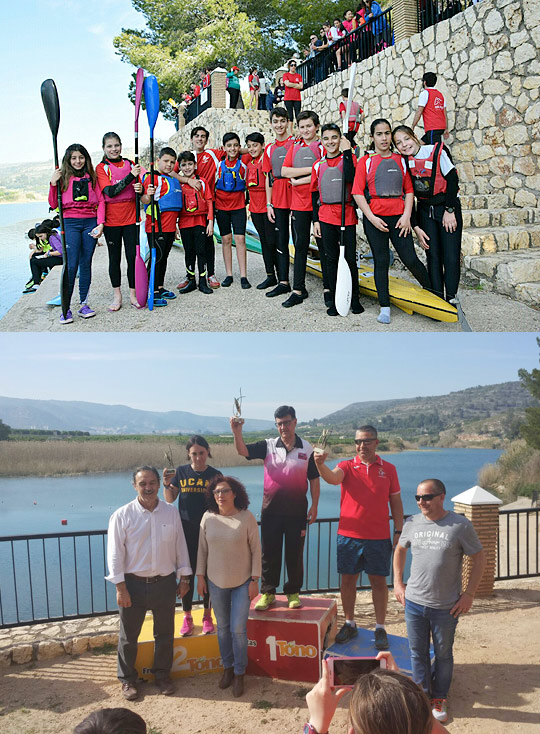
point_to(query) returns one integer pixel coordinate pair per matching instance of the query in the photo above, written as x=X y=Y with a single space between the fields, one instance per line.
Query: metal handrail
x=50 y=577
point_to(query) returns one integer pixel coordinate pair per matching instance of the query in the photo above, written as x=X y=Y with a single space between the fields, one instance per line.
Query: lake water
x=15 y=221
x=66 y=574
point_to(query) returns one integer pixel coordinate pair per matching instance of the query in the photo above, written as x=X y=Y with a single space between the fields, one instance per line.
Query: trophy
x=237 y=408
x=170 y=470
x=321 y=444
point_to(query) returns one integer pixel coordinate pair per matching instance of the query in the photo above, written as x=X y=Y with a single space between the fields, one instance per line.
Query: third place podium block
x=288 y=643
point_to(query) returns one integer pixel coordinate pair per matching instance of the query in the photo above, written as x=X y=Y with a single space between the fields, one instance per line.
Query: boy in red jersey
x=278 y=195
x=167 y=193
x=326 y=183
x=293 y=87
x=255 y=179
x=297 y=167
x=196 y=222
x=231 y=208
x=432 y=108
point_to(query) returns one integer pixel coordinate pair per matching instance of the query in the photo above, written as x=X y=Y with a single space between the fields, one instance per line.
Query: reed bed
x=56 y=458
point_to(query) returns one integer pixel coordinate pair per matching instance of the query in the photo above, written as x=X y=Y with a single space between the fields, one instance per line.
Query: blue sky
x=202 y=373
x=71 y=42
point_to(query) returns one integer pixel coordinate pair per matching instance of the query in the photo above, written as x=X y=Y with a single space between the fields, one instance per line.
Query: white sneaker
x=439 y=708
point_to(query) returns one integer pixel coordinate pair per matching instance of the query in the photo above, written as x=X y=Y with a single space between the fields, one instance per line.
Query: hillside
x=459 y=418
x=96 y=418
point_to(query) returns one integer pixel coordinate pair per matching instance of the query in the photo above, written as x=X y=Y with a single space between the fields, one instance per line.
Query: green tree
x=530 y=430
x=5 y=431
x=184 y=36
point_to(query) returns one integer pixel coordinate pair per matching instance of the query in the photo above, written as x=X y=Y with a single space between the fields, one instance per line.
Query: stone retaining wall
x=488 y=68
x=219 y=122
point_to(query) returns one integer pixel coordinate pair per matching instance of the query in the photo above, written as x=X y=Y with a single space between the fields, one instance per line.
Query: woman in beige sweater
x=229 y=557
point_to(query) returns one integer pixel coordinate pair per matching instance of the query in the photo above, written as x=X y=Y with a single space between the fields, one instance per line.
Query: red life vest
x=426 y=186
x=433 y=115
x=384 y=177
x=277 y=155
x=254 y=173
x=304 y=156
x=329 y=182
x=194 y=202
x=116 y=174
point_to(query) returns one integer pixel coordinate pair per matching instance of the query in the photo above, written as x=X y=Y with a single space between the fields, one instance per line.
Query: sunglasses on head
x=425 y=497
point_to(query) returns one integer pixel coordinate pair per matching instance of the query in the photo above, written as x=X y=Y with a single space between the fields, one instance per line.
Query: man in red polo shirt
x=432 y=109
x=368 y=485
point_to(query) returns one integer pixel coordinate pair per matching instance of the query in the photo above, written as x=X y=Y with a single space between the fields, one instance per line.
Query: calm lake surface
x=15 y=221
x=62 y=576
x=31 y=505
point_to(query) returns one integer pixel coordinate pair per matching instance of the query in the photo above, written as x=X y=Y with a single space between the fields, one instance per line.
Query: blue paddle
x=49 y=97
x=151 y=100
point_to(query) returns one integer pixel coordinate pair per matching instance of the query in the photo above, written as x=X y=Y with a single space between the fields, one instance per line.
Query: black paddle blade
x=65 y=296
x=49 y=97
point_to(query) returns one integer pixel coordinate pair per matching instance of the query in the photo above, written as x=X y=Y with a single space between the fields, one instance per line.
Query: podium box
x=288 y=643
x=194 y=655
x=363 y=645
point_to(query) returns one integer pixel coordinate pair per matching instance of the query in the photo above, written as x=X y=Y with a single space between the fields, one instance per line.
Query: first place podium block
x=288 y=643
x=194 y=655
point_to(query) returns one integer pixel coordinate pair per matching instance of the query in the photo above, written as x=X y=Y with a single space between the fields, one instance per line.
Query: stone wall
x=219 y=122
x=488 y=68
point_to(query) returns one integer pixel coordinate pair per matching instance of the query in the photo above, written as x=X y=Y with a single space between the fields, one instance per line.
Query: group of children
x=45 y=252
x=292 y=185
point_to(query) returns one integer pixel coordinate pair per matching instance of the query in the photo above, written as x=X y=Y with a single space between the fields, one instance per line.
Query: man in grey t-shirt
x=433 y=598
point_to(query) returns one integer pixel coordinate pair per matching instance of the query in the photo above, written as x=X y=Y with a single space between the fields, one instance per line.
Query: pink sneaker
x=207 y=625
x=187 y=627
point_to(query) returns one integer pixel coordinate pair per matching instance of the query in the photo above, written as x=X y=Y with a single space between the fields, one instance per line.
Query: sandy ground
x=232 y=309
x=495 y=687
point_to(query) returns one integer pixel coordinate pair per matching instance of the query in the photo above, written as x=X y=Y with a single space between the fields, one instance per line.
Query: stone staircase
x=501 y=246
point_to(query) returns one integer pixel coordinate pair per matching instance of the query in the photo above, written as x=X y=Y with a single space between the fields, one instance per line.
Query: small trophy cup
x=321 y=444
x=170 y=470
x=237 y=408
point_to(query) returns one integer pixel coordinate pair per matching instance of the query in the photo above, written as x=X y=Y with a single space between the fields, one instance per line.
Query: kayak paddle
x=344 y=277
x=151 y=99
x=141 y=273
x=49 y=97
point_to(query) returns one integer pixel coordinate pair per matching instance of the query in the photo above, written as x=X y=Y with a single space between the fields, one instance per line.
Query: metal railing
x=199 y=104
x=431 y=12
x=518 y=557
x=60 y=576
x=360 y=44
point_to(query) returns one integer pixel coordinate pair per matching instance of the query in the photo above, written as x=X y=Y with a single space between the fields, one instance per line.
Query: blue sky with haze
x=71 y=42
x=202 y=373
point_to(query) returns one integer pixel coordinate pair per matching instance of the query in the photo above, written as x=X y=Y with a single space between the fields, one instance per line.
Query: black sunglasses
x=426 y=497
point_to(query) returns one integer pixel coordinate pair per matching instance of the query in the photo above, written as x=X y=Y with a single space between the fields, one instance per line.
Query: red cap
x=235 y=68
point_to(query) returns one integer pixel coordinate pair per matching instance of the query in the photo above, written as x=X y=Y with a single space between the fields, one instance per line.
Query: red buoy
x=64 y=522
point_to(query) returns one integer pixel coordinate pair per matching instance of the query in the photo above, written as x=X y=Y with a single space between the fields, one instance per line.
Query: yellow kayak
x=407 y=296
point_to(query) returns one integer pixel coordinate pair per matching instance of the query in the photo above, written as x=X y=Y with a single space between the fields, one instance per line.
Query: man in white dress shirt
x=149 y=565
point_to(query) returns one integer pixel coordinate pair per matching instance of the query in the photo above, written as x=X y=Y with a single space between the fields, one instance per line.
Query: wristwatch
x=449 y=209
x=397 y=532
x=310 y=729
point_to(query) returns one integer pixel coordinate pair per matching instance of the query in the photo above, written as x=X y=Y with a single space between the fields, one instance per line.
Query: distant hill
x=63 y=415
x=493 y=410
x=31 y=180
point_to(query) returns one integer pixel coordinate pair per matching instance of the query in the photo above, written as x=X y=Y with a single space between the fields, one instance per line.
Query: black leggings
x=281 y=228
x=330 y=241
x=191 y=533
x=114 y=237
x=42 y=265
x=293 y=105
x=380 y=247
x=210 y=255
x=301 y=228
x=265 y=230
x=163 y=242
x=443 y=256
x=194 y=241
x=234 y=94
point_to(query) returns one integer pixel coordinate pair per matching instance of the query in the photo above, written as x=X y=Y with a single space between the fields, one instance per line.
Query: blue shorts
x=355 y=555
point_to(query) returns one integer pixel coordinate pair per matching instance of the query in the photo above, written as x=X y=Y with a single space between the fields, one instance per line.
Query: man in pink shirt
x=368 y=486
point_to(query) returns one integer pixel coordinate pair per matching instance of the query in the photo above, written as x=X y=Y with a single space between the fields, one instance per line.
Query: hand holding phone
x=345 y=671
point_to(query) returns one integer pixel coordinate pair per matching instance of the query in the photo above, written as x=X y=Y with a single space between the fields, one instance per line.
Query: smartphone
x=345 y=671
